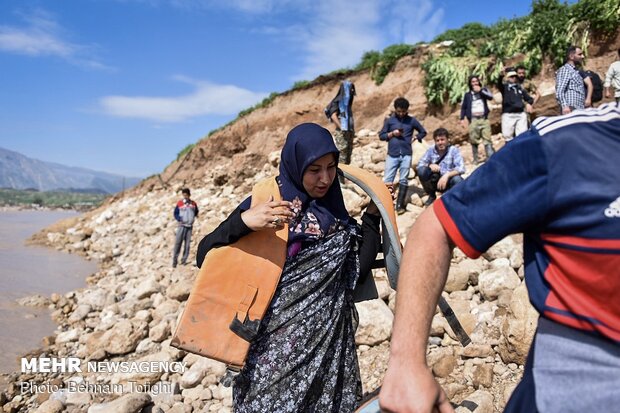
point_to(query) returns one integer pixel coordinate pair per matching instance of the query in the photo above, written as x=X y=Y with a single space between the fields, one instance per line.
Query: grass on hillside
x=50 y=199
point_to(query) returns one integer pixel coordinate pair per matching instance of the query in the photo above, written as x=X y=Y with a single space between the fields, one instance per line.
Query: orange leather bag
x=233 y=290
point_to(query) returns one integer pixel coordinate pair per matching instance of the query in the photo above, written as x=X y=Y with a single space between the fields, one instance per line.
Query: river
x=28 y=270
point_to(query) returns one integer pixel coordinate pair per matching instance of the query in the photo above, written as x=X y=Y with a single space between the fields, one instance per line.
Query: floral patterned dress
x=304 y=357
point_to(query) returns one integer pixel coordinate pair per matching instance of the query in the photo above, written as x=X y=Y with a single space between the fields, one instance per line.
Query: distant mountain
x=20 y=172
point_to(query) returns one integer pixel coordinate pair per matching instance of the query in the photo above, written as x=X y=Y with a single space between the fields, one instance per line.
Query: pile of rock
x=132 y=304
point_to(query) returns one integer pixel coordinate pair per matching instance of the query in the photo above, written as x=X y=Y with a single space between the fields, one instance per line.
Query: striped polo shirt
x=559 y=185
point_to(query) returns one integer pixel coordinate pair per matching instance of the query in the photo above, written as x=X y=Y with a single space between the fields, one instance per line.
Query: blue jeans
x=401 y=163
x=430 y=185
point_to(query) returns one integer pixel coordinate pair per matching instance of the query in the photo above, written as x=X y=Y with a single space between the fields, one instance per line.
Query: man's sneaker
x=400 y=210
x=430 y=200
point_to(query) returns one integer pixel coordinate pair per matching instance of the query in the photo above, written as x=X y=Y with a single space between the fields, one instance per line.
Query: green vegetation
x=380 y=64
x=262 y=104
x=300 y=84
x=51 y=199
x=544 y=34
x=185 y=150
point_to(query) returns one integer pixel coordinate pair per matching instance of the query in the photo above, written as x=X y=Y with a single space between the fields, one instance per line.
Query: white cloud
x=43 y=36
x=207 y=99
x=416 y=21
x=337 y=36
x=334 y=34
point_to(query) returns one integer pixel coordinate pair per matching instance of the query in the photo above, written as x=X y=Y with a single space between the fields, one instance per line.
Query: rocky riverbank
x=132 y=304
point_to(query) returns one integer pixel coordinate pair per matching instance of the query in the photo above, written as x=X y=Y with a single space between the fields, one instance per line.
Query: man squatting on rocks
x=398 y=132
x=566 y=202
x=441 y=166
x=474 y=115
x=515 y=103
x=185 y=212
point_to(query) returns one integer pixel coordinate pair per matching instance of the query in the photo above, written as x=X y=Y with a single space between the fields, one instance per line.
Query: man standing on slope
x=570 y=90
x=185 y=213
x=566 y=202
x=612 y=79
x=340 y=112
x=398 y=132
x=516 y=104
x=474 y=117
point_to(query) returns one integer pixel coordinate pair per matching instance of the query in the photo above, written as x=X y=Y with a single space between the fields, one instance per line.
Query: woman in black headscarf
x=304 y=358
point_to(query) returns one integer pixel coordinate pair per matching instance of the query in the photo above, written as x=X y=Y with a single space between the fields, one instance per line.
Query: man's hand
x=396 y=133
x=528 y=108
x=434 y=168
x=412 y=389
x=588 y=103
x=269 y=215
x=607 y=93
x=442 y=184
x=565 y=110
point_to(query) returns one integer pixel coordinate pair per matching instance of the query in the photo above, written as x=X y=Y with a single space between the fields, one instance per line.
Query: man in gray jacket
x=185 y=213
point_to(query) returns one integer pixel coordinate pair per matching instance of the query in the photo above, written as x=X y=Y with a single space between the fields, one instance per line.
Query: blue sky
x=123 y=85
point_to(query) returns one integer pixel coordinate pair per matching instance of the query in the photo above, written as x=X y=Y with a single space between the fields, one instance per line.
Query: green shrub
x=300 y=84
x=185 y=150
x=468 y=32
x=602 y=15
x=264 y=103
x=389 y=57
x=370 y=60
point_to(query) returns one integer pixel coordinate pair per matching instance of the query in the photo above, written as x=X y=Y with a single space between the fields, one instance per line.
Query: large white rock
x=50 y=406
x=501 y=249
x=493 y=281
x=482 y=399
x=375 y=322
x=123 y=337
x=145 y=289
x=518 y=328
x=458 y=278
x=129 y=403
x=199 y=369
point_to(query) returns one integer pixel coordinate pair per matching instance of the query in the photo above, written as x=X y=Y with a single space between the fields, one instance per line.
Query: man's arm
x=561 y=82
x=334 y=118
x=421 y=131
x=486 y=93
x=409 y=385
x=383 y=135
x=425 y=160
x=607 y=84
x=589 y=89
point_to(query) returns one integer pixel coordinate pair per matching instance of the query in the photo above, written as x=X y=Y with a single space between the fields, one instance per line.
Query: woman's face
x=320 y=175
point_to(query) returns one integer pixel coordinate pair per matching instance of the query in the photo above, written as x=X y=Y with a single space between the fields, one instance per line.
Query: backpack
x=597 y=85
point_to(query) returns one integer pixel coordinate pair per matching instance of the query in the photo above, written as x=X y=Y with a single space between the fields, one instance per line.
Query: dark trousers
x=429 y=180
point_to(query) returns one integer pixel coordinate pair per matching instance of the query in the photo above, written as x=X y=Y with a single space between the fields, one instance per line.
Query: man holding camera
x=398 y=132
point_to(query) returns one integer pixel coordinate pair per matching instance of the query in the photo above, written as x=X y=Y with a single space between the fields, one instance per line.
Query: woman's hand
x=372 y=207
x=268 y=215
